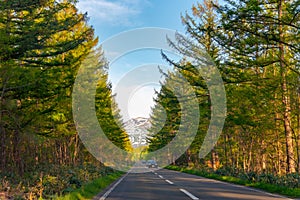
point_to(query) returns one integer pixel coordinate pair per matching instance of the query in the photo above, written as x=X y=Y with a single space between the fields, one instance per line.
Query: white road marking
x=155 y=173
x=160 y=176
x=257 y=190
x=113 y=187
x=189 y=194
x=169 y=182
x=247 y=188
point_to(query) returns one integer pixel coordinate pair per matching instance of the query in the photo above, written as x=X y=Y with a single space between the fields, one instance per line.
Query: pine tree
x=42 y=45
x=204 y=50
x=262 y=35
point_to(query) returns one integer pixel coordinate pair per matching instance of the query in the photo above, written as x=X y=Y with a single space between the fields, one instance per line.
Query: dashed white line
x=169 y=182
x=160 y=176
x=189 y=194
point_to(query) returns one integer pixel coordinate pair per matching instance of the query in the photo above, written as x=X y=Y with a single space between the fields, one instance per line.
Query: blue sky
x=112 y=17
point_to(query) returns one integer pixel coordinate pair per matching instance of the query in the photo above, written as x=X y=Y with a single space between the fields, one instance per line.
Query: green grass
x=91 y=189
x=290 y=192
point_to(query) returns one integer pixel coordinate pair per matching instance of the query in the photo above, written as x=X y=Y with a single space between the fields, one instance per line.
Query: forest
x=255 y=45
x=42 y=45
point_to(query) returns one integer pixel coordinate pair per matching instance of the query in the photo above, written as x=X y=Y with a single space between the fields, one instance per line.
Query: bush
x=50 y=180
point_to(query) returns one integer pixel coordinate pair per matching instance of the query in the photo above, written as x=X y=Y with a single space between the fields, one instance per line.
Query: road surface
x=165 y=184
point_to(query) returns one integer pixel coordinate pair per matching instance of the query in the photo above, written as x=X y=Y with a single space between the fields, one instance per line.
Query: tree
x=261 y=35
x=204 y=50
x=171 y=115
x=42 y=45
x=108 y=113
x=255 y=45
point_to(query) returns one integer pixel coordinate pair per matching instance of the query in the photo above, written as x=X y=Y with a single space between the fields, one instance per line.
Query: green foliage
x=167 y=113
x=39 y=34
x=89 y=190
x=109 y=116
x=204 y=50
x=42 y=45
x=255 y=45
x=49 y=181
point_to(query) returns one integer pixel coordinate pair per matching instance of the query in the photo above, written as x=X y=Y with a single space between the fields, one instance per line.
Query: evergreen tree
x=262 y=36
x=42 y=45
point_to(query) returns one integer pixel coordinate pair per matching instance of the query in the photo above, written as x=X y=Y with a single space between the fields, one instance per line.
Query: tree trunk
x=214 y=159
x=225 y=150
x=250 y=156
x=298 y=119
x=285 y=98
x=76 y=149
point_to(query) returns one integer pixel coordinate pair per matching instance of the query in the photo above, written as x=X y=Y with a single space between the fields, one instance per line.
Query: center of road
x=182 y=190
x=189 y=194
x=169 y=182
x=106 y=194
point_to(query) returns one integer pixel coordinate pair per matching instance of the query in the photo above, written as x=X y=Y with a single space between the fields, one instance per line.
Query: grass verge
x=290 y=192
x=89 y=190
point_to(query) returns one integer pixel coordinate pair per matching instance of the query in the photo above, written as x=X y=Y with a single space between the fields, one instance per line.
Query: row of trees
x=255 y=45
x=42 y=45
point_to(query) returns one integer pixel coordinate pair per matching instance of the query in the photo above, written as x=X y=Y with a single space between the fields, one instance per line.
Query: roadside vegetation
x=91 y=189
x=52 y=181
x=287 y=185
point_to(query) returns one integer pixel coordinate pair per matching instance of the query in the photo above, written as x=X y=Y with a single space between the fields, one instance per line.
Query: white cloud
x=134 y=89
x=141 y=101
x=136 y=101
x=117 y=12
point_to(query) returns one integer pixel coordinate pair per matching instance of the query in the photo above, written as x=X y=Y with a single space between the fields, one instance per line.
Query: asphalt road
x=165 y=184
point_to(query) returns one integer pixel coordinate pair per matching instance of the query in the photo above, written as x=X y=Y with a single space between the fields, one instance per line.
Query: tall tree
x=199 y=26
x=42 y=44
x=261 y=35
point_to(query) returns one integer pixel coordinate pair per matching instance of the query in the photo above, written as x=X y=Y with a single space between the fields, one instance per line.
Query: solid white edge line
x=248 y=188
x=169 y=182
x=160 y=176
x=189 y=194
x=261 y=191
x=113 y=187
